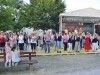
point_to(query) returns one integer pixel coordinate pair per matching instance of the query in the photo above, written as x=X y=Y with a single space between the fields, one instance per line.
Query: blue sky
x=79 y=4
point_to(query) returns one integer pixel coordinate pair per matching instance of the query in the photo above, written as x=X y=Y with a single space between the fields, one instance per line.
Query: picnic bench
x=22 y=54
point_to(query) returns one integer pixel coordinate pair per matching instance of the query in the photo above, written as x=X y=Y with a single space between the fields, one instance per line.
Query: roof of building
x=87 y=12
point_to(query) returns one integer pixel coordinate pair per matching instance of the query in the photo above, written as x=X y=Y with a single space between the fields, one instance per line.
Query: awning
x=82 y=15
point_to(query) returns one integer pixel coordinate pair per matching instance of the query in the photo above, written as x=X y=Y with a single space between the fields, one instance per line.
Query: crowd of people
x=68 y=41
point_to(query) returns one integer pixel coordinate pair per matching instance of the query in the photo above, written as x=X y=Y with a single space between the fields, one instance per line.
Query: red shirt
x=2 y=39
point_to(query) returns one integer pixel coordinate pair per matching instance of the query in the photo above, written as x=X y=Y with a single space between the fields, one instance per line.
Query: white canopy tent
x=88 y=15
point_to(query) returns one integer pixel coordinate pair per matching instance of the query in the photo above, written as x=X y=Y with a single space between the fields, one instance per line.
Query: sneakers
x=69 y=52
x=58 y=51
x=9 y=64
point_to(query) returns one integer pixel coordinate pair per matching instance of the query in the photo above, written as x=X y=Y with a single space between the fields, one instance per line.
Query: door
x=97 y=29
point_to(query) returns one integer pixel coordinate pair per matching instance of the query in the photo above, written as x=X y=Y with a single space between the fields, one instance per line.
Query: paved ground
x=94 y=71
x=53 y=52
x=84 y=64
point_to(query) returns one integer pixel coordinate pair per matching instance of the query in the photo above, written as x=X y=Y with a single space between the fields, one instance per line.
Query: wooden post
x=30 y=56
x=3 y=48
x=31 y=67
x=60 y=23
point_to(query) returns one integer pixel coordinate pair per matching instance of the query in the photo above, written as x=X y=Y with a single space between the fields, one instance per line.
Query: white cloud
x=27 y=1
x=80 y=4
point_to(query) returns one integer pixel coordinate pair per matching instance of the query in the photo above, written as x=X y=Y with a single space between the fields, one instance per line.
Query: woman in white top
x=21 y=41
x=33 y=42
x=15 y=56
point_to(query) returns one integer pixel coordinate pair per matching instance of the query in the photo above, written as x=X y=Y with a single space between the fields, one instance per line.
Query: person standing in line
x=25 y=41
x=70 y=44
x=7 y=37
x=59 y=43
x=94 y=43
x=15 y=37
x=21 y=41
x=87 y=43
x=80 y=35
x=2 y=39
x=8 y=55
x=52 y=40
x=65 y=41
x=77 y=43
x=17 y=33
x=37 y=36
x=43 y=43
x=73 y=40
x=55 y=41
x=29 y=40
x=83 y=39
x=97 y=44
x=33 y=42
x=47 y=40
x=12 y=40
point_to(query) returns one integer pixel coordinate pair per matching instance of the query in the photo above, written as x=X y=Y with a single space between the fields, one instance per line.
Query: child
x=15 y=56
x=8 y=55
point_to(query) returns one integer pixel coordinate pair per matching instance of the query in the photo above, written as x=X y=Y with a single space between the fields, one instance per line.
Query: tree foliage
x=38 y=14
x=10 y=3
x=8 y=12
x=41 y=13
x=6 y=15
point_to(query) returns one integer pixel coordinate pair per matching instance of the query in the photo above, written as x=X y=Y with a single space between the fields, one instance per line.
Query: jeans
x=47 y=47
x=65 y=45
x=16 y=43
x=55 y=42
x=62 y=44
x=25 y=46
x=59 y=44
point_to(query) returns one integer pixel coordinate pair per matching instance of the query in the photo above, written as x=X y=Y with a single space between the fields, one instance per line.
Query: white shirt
x=33 y=39
x=15 y=56
x=21 y=39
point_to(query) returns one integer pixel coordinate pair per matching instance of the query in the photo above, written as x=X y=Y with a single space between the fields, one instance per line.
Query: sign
x=70 y=28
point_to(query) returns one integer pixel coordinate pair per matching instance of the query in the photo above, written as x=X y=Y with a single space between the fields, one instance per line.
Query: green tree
x=10 y=3
x=17 y=7
x=6 y=18
x=8 y=14
x=41 y=13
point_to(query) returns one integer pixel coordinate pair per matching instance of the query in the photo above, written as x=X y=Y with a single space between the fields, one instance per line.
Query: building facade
x=83 y=19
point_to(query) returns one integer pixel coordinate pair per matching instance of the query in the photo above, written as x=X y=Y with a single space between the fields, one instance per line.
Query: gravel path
x=94 y=71
x=86 y=64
